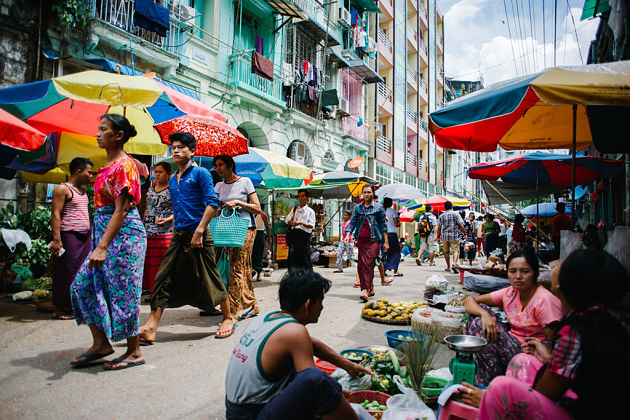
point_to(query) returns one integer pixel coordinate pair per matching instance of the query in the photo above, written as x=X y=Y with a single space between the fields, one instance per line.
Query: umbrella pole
x=516 y=208
x=537 y=213
x=573 y=151
x=344 y=202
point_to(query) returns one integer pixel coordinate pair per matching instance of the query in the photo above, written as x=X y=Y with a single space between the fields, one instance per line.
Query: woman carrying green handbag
x=237 y=192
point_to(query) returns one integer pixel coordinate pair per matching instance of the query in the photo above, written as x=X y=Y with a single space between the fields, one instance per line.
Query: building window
x=383 y=174
x=298 y=151
x=398 y=176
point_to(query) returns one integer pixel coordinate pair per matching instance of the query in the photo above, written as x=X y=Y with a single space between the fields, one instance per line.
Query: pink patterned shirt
x=543 y=308
x=112 y=179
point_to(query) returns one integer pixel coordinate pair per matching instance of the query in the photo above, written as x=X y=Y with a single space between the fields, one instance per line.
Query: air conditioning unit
x=344 y=18
x=183 y=12
x=344 y=106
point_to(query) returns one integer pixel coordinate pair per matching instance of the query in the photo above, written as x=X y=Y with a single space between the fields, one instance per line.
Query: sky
x=478 y=46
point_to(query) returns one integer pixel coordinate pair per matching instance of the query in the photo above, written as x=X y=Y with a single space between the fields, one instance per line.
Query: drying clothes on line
x=288 y=76
x=262 y=66
x=354 y=18
x=259 y=45
x=329 y=97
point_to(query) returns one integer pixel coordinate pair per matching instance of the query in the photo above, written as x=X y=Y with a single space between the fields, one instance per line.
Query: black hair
x=530 y=256
x=448 y=205
x=227 y=160
x=428 y=208
x=561 y=207
x=488 y=215
x=519 y=218
x=120 y=123
x=186 y=139
x=387 y=202
x=167 y=166
x=588 y=278
x=348 y=212
x=305 y=191
x=299 y=285
x=462 y=213
x=370 y=186
x=79 y=164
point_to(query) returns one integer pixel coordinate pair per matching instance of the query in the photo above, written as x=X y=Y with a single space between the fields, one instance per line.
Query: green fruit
x=382 y=407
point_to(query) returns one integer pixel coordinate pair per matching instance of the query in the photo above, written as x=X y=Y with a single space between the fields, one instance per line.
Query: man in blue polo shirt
x=188 y=274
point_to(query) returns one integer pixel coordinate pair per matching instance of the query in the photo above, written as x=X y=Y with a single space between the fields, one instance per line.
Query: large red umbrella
x=19 y=135
x=213 y=137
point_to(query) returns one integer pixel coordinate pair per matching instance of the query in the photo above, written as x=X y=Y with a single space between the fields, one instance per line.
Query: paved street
x=185 y=371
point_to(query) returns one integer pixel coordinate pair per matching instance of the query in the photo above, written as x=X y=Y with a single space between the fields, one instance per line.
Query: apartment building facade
x=411 y=63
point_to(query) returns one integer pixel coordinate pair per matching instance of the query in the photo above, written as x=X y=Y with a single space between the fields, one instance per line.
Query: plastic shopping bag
x=437 y=281
x=406 y=405
x=12 y=237
x=362 y=413
x=352 y=383
x=223 y=264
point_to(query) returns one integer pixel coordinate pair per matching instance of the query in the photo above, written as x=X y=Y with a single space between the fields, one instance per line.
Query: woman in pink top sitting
x=530 y=309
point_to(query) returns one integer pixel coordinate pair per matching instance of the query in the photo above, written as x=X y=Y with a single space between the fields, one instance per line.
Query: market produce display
x=373 y=405
x=390 y=313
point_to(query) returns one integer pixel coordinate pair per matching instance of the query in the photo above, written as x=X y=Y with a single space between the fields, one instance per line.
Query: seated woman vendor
x=589 y=354
x=529 y=307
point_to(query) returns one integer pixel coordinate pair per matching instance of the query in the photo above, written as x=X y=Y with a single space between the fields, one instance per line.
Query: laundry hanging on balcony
x=330 y=97
x=262 y=66
x=152 y=17
x=259 y=45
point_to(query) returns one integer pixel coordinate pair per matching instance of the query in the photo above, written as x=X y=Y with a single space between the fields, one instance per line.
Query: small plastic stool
x=454 y=410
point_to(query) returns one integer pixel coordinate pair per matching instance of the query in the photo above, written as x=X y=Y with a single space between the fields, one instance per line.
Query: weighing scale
x=463 y=366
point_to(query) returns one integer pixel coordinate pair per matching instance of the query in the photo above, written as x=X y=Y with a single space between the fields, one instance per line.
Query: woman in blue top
x=368 y=228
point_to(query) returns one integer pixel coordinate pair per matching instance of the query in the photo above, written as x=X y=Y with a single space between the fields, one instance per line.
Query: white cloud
x=477 y=43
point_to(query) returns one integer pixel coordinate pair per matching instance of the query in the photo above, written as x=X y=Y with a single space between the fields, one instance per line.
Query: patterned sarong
x=109 y=296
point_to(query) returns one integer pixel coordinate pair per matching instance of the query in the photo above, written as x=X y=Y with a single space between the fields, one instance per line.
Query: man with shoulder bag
x=427 y=230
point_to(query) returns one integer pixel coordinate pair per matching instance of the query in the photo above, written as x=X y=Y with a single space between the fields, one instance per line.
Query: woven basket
x=386 y=321
x=229 y=231
x=358 y=397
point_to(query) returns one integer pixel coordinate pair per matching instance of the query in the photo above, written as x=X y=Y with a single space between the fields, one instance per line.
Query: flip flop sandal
x=387 y=282
x=225 y=334
x=338 y=271
x=63 y=317
x=144 y=342
x=248 y=314
x=371 y=293
x=363 y=297
x=398 y=275
x=89 y=359
x=127 y=364
x=213 y=312
x=357 y=285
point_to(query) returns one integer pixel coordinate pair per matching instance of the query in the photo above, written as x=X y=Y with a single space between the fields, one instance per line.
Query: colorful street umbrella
x=18 y=135
x=266 y=168
x=71 y=106
x=213 y=137
x=437 y=202
x=399 y=193
x=407 y=215
x=552 y=109
x=544 y=210
x=540 y=168
x=341 y=184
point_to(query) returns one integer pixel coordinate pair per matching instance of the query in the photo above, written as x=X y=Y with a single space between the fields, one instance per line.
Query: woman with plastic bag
x=238 y=193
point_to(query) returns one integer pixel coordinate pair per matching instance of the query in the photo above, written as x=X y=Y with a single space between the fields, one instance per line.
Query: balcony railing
x=383 y=39
x=439 y=104
x=412 y=34
x=384 y=91
x=384 y=144
x=422 y=84
x=412 y=75
x=120 y=13
x=412 y=115
x=422 y=46
x=241 y=72
x=423 y=125
x=411 y=159
x=349 y=127
x=438 y=40
x=422 y=165
x=422 y=9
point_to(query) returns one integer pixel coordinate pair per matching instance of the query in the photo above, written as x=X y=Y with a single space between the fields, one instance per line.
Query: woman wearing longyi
x=530 y=309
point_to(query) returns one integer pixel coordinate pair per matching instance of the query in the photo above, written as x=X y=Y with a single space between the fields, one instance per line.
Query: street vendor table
x=475 y=270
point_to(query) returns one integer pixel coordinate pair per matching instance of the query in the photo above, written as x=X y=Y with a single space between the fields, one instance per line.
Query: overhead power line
x=576 y=35
x=507 y=21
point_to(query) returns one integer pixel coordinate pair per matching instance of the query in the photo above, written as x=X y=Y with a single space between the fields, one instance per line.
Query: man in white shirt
x=301 y=220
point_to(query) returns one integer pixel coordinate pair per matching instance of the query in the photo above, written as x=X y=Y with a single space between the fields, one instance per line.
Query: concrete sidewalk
x=184 y=374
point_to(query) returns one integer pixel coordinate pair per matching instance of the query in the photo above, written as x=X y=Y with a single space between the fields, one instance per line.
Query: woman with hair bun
x=106 y=291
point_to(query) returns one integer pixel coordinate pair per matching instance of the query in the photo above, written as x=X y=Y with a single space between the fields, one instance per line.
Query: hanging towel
x=315 y=79
x=305 y=67
x=262 y=66
x=354 y=14
x=259 y=45
x=152 y=17
x=360 y=122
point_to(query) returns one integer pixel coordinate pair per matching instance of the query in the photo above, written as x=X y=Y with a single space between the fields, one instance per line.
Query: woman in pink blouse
x=529 y=307
x=585 y=373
